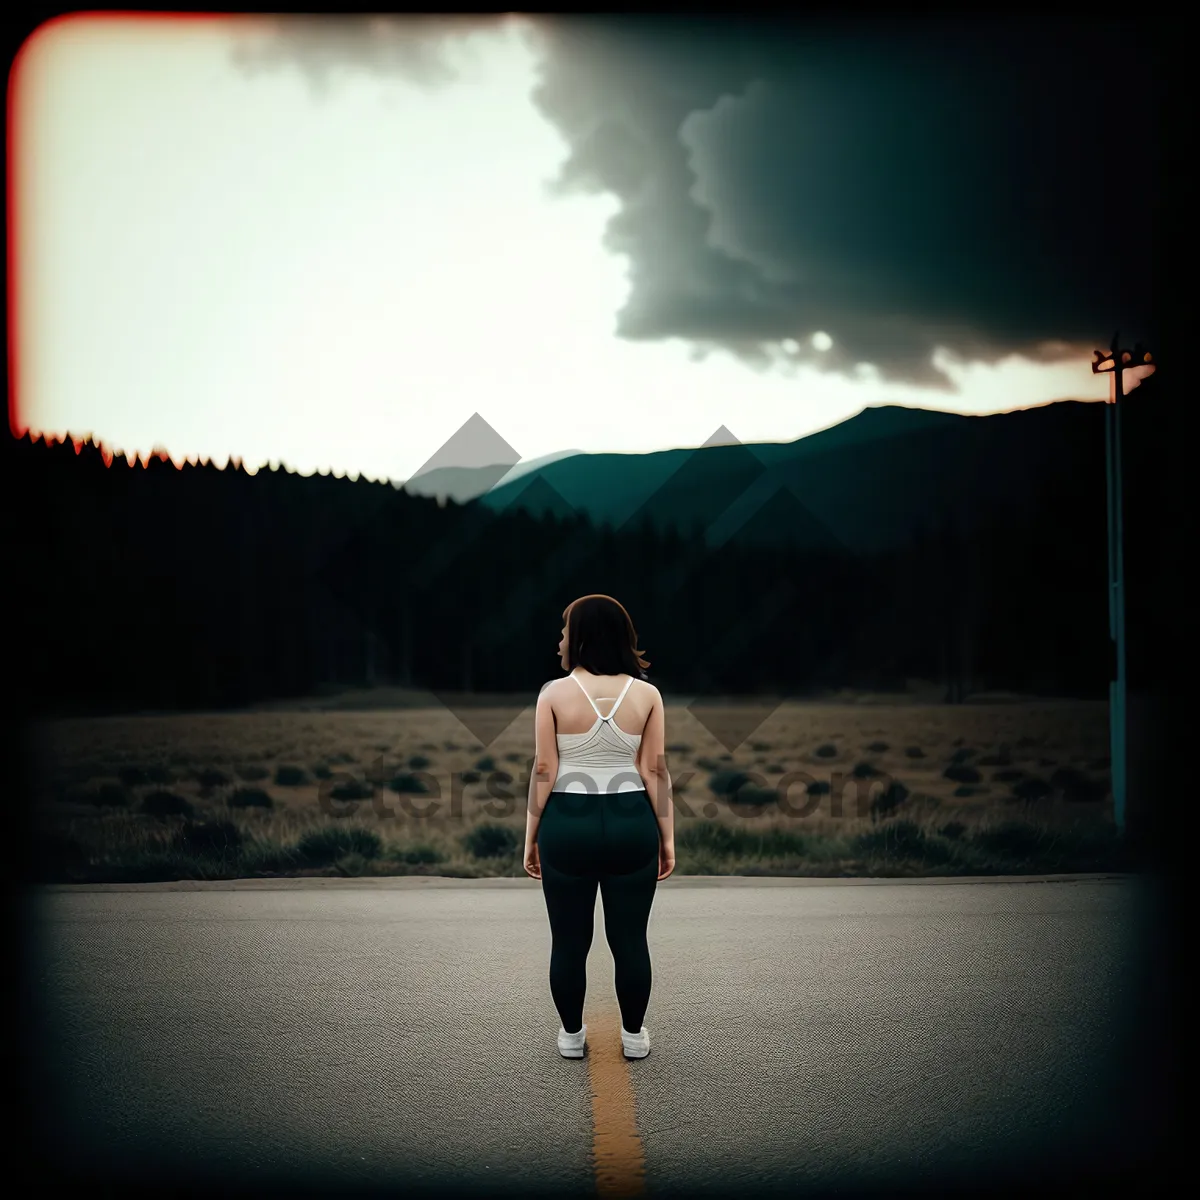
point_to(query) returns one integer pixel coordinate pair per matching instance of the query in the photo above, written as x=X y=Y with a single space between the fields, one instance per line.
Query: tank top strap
x=619 y=699
x=589 y=699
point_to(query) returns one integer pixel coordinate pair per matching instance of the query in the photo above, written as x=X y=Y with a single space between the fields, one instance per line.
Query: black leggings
x=610 y=840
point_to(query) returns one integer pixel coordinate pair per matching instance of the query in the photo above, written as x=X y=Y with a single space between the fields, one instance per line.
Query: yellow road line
x=616 y=1146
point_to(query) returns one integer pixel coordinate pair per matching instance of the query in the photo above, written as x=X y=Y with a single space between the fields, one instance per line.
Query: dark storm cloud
x=897 y=185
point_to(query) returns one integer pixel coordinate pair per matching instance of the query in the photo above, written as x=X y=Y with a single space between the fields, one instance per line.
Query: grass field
x=832 y=789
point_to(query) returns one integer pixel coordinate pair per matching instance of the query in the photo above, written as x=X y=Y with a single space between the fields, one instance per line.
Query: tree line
x=149 y=587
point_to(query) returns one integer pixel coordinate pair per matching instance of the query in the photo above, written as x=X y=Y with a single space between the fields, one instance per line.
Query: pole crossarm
x=1128 y=367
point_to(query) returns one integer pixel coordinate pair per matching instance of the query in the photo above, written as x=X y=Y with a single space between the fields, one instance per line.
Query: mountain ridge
x=868 y=481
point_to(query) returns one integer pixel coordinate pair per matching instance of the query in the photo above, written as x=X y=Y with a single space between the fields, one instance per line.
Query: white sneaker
x=635 y=1045
x=570 y=1045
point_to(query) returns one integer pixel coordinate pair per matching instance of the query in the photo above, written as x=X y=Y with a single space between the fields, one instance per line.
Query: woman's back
x=576 y=698
x=598 y=725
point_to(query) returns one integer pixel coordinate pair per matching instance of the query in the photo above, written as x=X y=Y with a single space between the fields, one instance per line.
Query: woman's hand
x=666 y=858
x=533 y=863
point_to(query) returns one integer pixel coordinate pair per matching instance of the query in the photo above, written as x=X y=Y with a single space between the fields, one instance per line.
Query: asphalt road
x=807 y=1035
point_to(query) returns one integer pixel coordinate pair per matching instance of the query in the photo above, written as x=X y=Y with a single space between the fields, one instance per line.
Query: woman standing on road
x=600 y=814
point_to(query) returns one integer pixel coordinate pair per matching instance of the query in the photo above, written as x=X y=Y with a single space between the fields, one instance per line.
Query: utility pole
x=1126 y=370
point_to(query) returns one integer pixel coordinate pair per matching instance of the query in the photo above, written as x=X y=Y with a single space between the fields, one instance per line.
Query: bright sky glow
x=227 y=265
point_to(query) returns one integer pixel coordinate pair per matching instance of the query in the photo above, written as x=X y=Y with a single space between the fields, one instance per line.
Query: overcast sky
x=329 y=244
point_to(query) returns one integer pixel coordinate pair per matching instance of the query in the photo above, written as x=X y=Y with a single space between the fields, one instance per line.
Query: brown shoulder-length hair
x=601 y=638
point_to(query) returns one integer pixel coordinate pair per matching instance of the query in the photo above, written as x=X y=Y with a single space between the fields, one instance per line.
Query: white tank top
x=602 y=759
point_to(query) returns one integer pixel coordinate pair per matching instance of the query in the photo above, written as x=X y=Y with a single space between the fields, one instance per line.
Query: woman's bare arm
x=652 y=767
x=545 y=765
